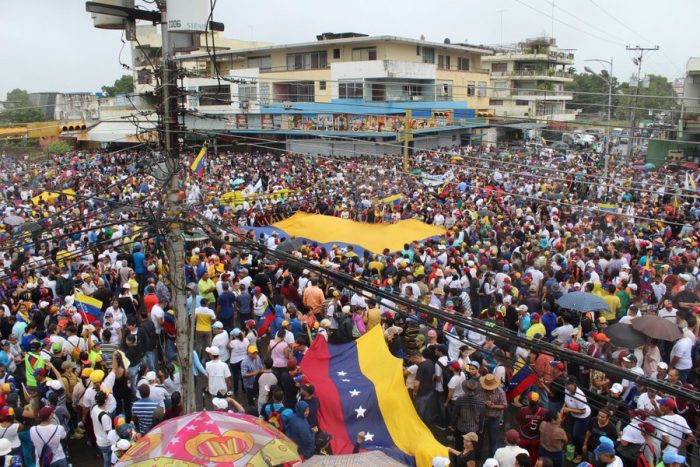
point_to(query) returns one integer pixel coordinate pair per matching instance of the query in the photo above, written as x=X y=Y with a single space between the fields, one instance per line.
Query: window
x=322 y=85
x=444 y=91
x=336 y=54
x=364 y=53
x=378 y=92
x=350 y=90
x=499 y=67
x=495 y=101
x=307 y=61
x=481 y=89
x=521 y=102
x=418 y=50
x=499 y=85
x=411 y=90
x=463 y=64
x=247 y=92
x=192 y=97
x=444 y=62
x=263 y=62
x=428 y=55
x=215 y=95
x=144 y=76
x=471 y=88
x=301 y=91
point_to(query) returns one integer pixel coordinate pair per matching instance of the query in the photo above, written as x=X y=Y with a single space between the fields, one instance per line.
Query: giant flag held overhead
x=199 y=162
x=361 y=388
x=90 y=308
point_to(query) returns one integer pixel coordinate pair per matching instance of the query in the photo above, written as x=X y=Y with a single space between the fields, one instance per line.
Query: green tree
x=57 y=147
x=591 y=93
x=18 y=109
x=653 y=98
x=124 y=85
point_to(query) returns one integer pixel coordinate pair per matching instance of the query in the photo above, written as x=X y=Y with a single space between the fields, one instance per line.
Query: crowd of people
x=521 y=231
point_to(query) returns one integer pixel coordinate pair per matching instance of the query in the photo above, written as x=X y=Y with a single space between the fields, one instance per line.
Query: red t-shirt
x=530 y=421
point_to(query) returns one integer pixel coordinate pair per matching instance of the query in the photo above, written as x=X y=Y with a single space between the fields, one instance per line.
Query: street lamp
x=609 y=80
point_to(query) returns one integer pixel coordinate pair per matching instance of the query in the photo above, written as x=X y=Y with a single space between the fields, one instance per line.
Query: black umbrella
x=624 y=335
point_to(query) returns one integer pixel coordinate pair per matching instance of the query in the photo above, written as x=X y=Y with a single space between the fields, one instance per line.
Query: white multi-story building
x=528 y=81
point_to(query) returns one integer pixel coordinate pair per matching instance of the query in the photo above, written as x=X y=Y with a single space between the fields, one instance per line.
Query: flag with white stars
x=361 y=388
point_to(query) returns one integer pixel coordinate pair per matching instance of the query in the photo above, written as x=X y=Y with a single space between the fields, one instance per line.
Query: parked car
x=559 y=146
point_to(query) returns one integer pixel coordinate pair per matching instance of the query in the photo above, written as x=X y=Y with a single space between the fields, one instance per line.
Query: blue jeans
x=134 y=374
x=150 y=359
x=494 y=428
x=578 y=432
x=106 y=456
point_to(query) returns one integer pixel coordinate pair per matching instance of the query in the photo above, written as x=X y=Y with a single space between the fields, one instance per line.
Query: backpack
x=274 y=416
x=446 y=376
x=46 y=455
x=641 y=458
x=169 y=324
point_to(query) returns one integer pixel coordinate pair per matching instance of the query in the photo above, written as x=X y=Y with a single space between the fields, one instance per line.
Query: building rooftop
x=693 y=66
x=355 y=39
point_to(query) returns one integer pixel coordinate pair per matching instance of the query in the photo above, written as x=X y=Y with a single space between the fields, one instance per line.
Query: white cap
x=663 y=365
x=43 y=304
x=213 y=351
x=305 y=272
x=632 y=286
x=217 y=325
x=54 y=384
x=121 y=445
x=219 y=403
x=491 y=463
x=617 y=387
x=440 y=461
x=632 y=434
x=151 y=376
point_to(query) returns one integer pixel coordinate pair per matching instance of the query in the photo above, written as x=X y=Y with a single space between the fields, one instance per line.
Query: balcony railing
x=541 y=93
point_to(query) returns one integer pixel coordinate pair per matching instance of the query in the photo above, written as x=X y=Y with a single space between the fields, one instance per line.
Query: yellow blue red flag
x=361 y=388
x=91 y=308
x=199 y=161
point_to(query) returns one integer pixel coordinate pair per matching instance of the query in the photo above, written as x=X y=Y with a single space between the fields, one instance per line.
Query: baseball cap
x=456 y=365
x=533 y=396
x=213 y=351
x=285 y=323
x=217 y=325
x=45 y=412
x=535 y=316
x=235 y=331
x=252 y=348
x=668 y=402
x=663 y=365
x=617 y=388
x=250 y=323
x=558 y=365
x=604 y=448
x=121 y=445
x=671 y=457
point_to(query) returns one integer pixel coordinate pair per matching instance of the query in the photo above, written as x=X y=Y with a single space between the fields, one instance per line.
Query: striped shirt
x=143 y=410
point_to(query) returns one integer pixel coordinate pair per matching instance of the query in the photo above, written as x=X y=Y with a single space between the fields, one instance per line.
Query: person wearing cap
x=204 y=319
x=605 y=455
x=529 y=419
x=629 y=362
x=220 y=340
x=536 y=329
x=577 y=410
x=494 y=398
x=218 y=374
x=251 y=367
x=468 y=413
x=468 y=456
x=46 y=433
x=673 y=428
x=506 y=455
x=599 y=426
x=671 y=459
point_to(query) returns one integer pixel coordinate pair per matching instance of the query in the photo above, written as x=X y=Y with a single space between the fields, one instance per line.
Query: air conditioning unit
x=245 y=105
x=416 y=98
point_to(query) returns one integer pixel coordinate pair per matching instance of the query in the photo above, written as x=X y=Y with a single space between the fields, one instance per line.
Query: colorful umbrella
x=213 y=439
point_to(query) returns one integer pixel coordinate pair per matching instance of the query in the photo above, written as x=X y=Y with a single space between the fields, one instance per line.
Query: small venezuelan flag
x=90 y=307
x=199 y=161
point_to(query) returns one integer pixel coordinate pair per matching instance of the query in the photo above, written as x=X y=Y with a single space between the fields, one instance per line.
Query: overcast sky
x=51 y=45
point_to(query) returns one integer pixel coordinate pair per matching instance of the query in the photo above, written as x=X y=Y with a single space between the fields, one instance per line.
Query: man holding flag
x=199 y=162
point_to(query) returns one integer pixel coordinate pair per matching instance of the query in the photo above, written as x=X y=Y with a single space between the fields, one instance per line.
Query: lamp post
x=609 y=80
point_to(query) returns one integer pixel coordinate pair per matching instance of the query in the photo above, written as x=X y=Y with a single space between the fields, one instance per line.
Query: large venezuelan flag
x=361 y=388
x=90 y=307
x=521 y=382
x=198 y=163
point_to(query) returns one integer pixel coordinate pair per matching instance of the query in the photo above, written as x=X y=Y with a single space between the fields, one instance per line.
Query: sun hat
x=489 y=382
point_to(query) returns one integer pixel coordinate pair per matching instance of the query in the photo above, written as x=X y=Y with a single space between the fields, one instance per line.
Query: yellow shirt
x=614 y=305
x=536 y=328
x=203 y=319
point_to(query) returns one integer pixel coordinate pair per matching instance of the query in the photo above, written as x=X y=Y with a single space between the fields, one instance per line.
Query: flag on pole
x=520 y=382
x=90 y=308
x=266 y=319
x=199 y=161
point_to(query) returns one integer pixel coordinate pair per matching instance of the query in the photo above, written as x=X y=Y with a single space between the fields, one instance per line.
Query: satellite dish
x=447 y=41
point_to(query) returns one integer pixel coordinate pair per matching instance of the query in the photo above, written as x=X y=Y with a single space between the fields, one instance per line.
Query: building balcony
x=536 y=75
x=562 y=58
x=484 y=71
x=541 y=95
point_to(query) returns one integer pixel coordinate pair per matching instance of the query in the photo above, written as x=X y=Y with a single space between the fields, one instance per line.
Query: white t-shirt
x=456 y=384
x=239 y=349
x=438 y=372
x=157 y=314
x=507 y=454
x=221 y=341
x=563 y=333
x=644 y=402
x=217 y=372
x=674 y=427
x=577 y=401
x=616 y=463
x=101 y=425
x=683 y=349
x=52 y=435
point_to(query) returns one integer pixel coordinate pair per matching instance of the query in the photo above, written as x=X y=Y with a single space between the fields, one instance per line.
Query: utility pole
x=122 y=15
x=175 y=244
x=501 y=35
x=637 y=61
x=407 y=136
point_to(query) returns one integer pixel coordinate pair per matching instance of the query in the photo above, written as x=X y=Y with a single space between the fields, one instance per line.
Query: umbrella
x=13 y=220
x=650 y=165
x=657 y=327
x=237 y=181
x=582 y=301
x=624 y=335
x=363 y=459
x=486 y=212
x=213 y=439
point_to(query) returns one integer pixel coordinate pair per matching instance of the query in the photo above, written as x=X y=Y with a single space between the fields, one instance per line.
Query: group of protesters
x=521 y=231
